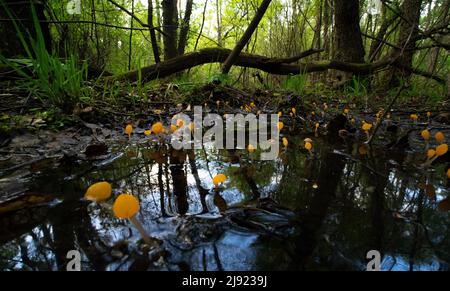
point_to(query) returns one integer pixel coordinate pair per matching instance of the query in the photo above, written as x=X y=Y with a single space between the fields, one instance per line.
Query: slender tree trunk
x=201 y=27
x=376 y=45
x=170 y=23
x=326 y=26
x=184 y=32
x=152 y=32
x=130 y=48
x=219 y=21
x=408 y=32
x=226 y=66
x=158 y=20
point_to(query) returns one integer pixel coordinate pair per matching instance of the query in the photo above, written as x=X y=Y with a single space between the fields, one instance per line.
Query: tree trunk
x=170 y=26
x=152 y=31
x=226 y=66
x=408 y=33
x=348 y=40
x=219 y=22
x=375 y=46
x=184 y=32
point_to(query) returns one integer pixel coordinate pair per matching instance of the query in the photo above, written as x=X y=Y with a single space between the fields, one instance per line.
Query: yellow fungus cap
x=414 y=116
x=219 y=178
x=148 y=132
x=129 y=129
x=366 y=126
x=294 y=110
x=279 y=114
x=308 y=146
x=98 y=192
x=251 y=148
x=125 y=206
x=280 y=125
x=425 y=134
x=285 y=142
x=173 y=128
x=346 y=111
x=428 y=114
x=431 y=153
x=180 y=122
x=439 y=136
x=191 y=126
x=157 y=128
x=441 y=149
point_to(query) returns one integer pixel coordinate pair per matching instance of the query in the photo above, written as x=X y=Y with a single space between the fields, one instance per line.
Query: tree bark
x=226 y=66
x=407 y=35
x=348 y=39
x=170 y=26
x=184 y=32
x=152 y=31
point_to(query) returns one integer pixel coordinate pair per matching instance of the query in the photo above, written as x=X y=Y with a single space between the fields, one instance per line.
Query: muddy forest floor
x=32 y=132
x=40 y=138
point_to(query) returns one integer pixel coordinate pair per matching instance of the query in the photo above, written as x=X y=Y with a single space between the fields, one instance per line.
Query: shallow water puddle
x=295 y=212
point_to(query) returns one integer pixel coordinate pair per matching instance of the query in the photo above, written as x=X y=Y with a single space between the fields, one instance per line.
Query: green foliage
x=296 y=83
x=60 y=83
x=357 y=87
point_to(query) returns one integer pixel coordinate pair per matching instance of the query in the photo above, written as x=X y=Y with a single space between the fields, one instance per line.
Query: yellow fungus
x=157 y=128
x=414 y=117
x=129 y=130
x=180 y=122
x=308 y=146
x=294 y=111
x=219 y=178
x=280 y=125
x=441 y=149
x=98 y=192
x=147 y=132
x=191 y=126
x=425 y=134
x=279 y=114
x=173 y=128
x=428 y=114
x=251 y=148
x=366 y=126
x=125 y=206
x=439 y=136
x=285 y=142
x=431 y=153
x=346 y=111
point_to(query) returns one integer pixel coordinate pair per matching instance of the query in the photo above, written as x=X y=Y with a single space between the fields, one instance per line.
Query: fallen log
x=275 y=66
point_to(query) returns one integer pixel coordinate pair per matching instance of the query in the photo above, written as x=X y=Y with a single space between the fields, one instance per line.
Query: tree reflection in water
x=292 y=213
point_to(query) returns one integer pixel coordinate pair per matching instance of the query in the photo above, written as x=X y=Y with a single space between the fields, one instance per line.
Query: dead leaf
x=430 y=191
x=220 y=202
x=96 y=149
x=444 y=205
